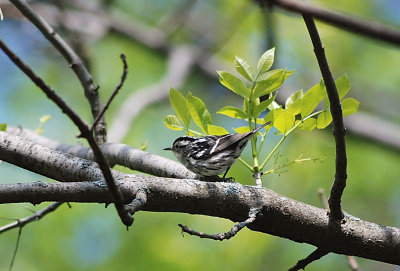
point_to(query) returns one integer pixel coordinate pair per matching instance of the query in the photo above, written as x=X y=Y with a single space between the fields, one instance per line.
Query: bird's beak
x=167 y=149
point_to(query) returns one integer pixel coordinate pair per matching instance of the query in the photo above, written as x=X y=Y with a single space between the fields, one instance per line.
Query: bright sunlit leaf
x=178 y=102
x=308 y=124
x=312 y=98
x=242 y=130
x=349 y=106
x=232 y=112
x=244 y=68
x=284 y=121
x=216 y=130
x=233 y=83
x=199 y=112
x=265 y=62
x=172 y=122
x=324 y=119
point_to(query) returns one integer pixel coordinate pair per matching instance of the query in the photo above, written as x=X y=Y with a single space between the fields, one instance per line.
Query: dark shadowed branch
x=350 y=23
x=339 y=182
x=115 y=92
x=316 y=255
x=83 y=128
x=353 y=264
x=76 y=64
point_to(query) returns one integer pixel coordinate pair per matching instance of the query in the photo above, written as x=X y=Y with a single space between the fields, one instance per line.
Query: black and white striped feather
x=211 y=155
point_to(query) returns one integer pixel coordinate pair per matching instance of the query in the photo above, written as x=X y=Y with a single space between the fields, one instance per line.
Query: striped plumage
x=210 y=155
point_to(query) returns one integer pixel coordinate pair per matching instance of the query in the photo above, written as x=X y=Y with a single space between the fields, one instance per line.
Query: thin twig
x=35 y=217
x=315 y=255
x=115 y=92
x=350 y=23
x=76 y=64
x=180 y=61
x=339 y=183
x=84 y=130
x=226 y=235
x=16 y=249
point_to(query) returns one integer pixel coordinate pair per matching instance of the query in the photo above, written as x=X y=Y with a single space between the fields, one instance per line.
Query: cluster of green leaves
x=299 y=110
x=188 y=109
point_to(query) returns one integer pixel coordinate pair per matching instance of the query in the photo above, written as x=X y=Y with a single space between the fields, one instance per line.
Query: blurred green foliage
x=89 y=237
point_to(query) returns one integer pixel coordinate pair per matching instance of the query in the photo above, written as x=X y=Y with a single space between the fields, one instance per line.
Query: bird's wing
x=223 y=142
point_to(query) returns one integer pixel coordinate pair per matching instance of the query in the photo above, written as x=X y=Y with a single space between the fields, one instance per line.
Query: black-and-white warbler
x=210 y=155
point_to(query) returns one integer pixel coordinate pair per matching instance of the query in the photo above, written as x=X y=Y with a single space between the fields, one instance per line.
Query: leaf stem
x=285 y=135
x=246 y=164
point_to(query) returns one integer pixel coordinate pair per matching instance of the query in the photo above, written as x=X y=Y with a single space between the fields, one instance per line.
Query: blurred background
x=181 y=44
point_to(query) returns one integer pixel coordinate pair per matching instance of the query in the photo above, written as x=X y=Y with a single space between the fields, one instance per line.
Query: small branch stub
x=226 y=235
x=138 y=202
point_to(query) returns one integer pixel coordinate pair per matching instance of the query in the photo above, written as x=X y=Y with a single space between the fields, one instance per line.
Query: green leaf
x=3 y=127
x=216 y=130
x=242 y=130
x=293 y=102
x=178 y=102
x=273 y=114
x=265 y=62
x=274 y=81
x=233 y=83
x=324 y=119
x=343 y=85
x=244 y=68
x=308 y=124
x=349 y=106
x=172 y=122
x=232 y=112
x=284 y=121
x=312 y=98
x=263 y=106
x=199 y=112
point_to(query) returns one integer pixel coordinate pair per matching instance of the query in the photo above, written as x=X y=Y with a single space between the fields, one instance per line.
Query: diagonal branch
x=76 y=64
x=35 y=217
x=83 y=128
x=180 y=62
x=337 y=118
x=349 y=23
x=314 y=256
x=115 y=92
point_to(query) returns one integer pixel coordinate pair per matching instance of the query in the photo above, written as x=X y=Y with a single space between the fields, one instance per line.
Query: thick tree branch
x=278 y=216
x=337 y=118
x=83 y=128
x=350 y=23
x=76 y=64
x=116 y=154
